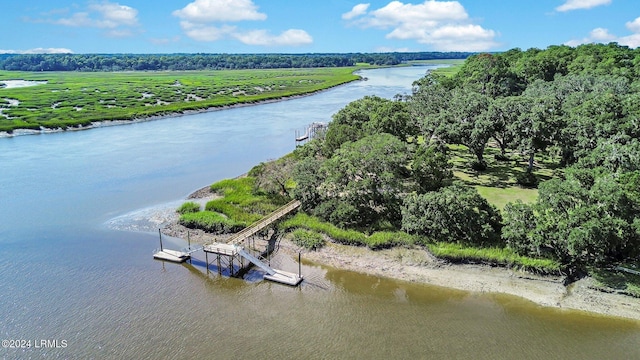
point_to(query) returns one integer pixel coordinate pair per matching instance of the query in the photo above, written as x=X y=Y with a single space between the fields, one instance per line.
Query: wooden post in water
x=206 y=259
x=189 y=246
x=160 y=233
x=299 y=265
x=219 y=266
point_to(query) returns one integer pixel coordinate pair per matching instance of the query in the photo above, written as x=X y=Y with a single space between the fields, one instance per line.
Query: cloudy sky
x=311 y=26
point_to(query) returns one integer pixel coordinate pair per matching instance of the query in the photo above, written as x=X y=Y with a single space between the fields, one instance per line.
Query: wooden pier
x=233 y=251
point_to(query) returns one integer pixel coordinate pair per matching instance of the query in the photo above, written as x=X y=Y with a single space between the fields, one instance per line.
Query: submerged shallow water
x=71 y=268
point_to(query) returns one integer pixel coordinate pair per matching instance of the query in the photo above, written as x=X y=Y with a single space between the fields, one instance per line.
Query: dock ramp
x=241 y=251
x=275 y=275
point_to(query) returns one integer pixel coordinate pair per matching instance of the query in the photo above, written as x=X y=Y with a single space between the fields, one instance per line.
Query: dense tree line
x=154 y=62
x=385 y=164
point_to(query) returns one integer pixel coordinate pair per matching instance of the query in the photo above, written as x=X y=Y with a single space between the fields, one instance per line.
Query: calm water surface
x=66 y=274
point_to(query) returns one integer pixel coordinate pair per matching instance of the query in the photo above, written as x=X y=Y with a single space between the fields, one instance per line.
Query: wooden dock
x=234 y=251
x=259 y=225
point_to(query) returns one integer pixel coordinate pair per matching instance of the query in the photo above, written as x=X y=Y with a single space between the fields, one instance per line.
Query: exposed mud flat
x=418 y=265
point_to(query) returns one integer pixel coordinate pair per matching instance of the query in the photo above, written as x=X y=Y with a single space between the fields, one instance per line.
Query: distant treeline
x=153 y=62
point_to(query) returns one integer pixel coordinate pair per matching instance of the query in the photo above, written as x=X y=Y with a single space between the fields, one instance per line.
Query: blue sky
x=311 y=26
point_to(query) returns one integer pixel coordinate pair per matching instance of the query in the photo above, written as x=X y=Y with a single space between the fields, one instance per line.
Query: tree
x=431 y=168
x=536 y=127
x=456 y=214
x=503 y=113
x=273 y=177
x=367 y=116
x=519 y=228
x=308 y=177
x=466 y=122
x=364 y=180
x=391 y=117
x=587 y=219
x=489 y=75
x=430 y=96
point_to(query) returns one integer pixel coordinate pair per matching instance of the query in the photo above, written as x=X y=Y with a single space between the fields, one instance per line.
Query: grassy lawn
x=73 y=99
x=498 y=183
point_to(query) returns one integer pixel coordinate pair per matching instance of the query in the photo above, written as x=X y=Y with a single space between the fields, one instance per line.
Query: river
x=90 y=290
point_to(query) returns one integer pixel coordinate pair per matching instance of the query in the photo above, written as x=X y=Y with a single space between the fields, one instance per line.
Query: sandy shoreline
x=417 y=265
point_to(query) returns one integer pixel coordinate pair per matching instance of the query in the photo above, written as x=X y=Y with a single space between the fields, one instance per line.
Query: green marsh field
x=77 y=99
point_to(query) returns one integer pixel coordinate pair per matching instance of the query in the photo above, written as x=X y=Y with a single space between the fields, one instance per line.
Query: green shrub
x=188 y=207
x=527 y=179
x=308 y=239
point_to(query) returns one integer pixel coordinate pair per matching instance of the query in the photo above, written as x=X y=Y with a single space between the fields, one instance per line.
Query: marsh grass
x=188 y=207
x=76 y=99
x=449 y=71
x=240 y=202
x=239 y=207
x=211 y=222
x=375 y=241
x=458 y=253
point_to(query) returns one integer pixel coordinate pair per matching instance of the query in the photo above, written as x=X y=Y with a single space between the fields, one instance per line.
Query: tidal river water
x=72 y=286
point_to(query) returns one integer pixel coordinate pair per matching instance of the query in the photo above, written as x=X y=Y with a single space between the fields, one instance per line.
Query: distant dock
x=313 y=130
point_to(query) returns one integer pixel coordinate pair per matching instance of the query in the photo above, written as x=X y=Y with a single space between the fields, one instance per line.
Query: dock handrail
x=263 y=223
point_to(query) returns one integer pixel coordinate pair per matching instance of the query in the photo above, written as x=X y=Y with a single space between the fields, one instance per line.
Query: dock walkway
x=234 y=248
x=256 y=227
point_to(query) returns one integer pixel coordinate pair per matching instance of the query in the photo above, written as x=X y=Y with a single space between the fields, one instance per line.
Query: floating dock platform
x=171 y=255
x=284 y=277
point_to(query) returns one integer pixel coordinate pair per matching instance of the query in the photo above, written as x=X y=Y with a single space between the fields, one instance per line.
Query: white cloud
x=38 y=51
x=119 y=33
x=581 y=4
x=205 y=11
x=117 y=19
x=601 y=35
x=386 y=49
x=357 y=10
x=291 y=37
x=634 y=25
x=165 y=41
x=445 y=25
x=116 y=14
x=206 y=33
x=207 y=20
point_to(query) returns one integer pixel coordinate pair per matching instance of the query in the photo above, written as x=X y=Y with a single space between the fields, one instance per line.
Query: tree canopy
x=156 y=62
x=385 y=164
